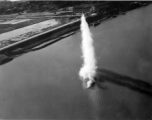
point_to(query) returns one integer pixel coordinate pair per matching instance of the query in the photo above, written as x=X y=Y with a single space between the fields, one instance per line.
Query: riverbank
x=92 y=18
x=12 y=22
x=29 y=31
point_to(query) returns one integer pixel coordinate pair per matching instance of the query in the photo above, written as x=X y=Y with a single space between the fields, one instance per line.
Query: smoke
x=88 y=70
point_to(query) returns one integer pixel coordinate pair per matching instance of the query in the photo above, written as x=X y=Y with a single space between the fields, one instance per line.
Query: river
x=44 y=84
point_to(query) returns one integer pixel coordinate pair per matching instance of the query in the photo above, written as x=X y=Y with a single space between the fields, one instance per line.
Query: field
x=9 y=27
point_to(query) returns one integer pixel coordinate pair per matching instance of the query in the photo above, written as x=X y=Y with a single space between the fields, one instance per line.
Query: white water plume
x=88 y=70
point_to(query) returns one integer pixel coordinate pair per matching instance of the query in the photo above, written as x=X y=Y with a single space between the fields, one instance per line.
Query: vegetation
x=8 y=7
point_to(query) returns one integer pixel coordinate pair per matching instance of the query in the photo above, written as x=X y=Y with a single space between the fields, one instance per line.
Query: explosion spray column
x=88 y=71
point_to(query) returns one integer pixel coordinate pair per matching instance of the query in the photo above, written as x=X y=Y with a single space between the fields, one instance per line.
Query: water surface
x=45 y=83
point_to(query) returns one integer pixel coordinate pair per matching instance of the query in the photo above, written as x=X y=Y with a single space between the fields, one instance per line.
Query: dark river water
x=44 y=84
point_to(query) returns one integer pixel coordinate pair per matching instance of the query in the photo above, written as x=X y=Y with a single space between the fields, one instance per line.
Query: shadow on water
x=111 y=101
x=134 y=84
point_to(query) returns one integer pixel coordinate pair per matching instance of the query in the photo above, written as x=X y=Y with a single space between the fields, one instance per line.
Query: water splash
x=88 y=70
